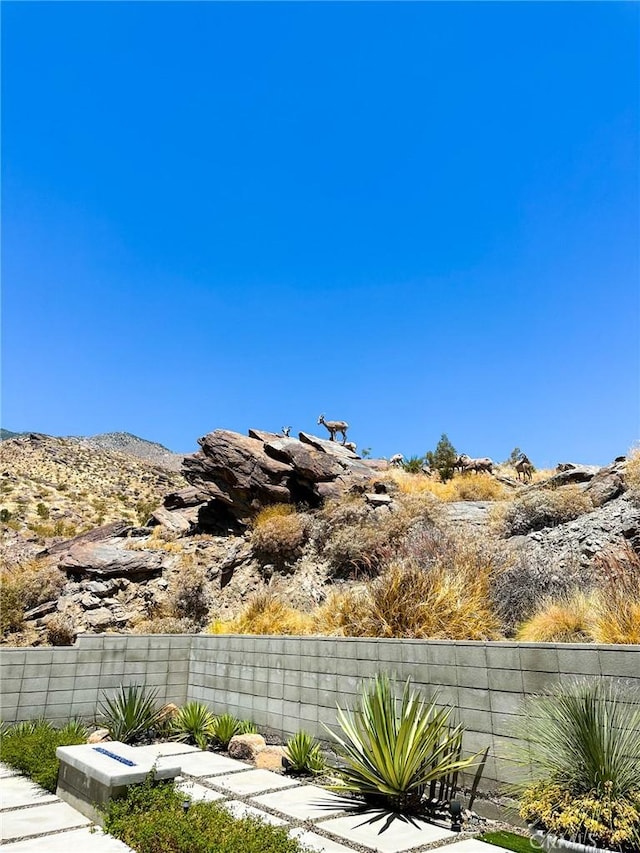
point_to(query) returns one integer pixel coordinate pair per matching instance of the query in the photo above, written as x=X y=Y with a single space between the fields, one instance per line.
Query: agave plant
x=226 y=726
x=131 y=713
x=75 y=728
x=247 y=727
x=194 y=723
x=394 y=751
x=304 y=754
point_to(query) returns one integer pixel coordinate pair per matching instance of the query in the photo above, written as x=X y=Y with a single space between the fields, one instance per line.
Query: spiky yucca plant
x=225 y=727
x=582 y=741
x=194 y=723
x=393 y=751
x=131 y=713
x=304 y=754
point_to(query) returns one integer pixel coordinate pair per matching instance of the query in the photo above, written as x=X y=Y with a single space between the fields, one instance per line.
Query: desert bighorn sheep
x=466 y=463
x=334 y=427
x=286 y=431
x=351 y=445
x=397 y=459
x=524 y=468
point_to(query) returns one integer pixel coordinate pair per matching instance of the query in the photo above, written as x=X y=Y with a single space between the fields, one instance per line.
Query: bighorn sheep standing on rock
x=524 y=468
x=334 y=427
x=286 y=431
x=397 y=459
x=351 y=445
x=466 y=463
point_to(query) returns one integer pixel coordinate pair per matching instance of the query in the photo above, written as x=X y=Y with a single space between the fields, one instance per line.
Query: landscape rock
x=576 y=474
x=178 y=521
x=246 y=747
x=100 y=619
x=605 y=486
x=270 y=758
x=99 y=736
x=98 y=534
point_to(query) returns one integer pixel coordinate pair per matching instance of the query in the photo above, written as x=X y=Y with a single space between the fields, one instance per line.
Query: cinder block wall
x=292 y=683
x=289 y=683
x=59 y=683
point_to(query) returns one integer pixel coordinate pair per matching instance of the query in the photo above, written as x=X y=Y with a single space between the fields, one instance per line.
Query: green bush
x=394 y=748
x=304 y=754
x=151 y=819
x=443 y=458
x=226 y=726
x=131 y=714
x=31 y=748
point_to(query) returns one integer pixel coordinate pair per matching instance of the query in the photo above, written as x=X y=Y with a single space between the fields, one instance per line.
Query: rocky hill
x=132 y=445
x=53 y=488
x=301 y=516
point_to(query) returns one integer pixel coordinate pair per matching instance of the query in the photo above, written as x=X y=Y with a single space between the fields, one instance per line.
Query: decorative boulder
x=271 y=758
x=246 y=747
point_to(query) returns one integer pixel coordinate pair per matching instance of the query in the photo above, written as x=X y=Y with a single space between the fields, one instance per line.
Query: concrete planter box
x=90 y=776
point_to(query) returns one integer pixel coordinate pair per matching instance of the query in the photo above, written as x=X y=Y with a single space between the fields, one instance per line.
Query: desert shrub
x=151 y=819
x=582 y=742
x=356 y=539
x=131 y=715
x=394 y=747
x=165 y=625
x=194 y=723
x=563 y=620
x=60 y=630
x=459 y=487
x=413 y=465
x=26 y=586
x=304 y=754
x=42 y=510
x=265 y=613
x=188 y=593
x=278 y=537
x=632 y=470
x=535 y=510
x=616 y=615
x=31 y=749
x=443 y=458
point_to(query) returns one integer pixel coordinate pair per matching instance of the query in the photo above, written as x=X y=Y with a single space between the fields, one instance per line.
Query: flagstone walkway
x=34 y=821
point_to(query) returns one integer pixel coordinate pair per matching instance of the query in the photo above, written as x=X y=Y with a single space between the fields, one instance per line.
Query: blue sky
x=418 y=217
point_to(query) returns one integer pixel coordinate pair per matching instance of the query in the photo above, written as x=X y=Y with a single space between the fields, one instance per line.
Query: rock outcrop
x=240 y=474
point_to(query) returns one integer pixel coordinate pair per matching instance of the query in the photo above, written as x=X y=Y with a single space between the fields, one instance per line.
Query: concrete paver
x=17 y=791
x=203 y=763
x=78 y=840
x=7 y=771
x=319 y=844
x=157 y=750
x=254 y=781
x=385 y=832
x=306 y=802
x=38 y=819
x=239 y=809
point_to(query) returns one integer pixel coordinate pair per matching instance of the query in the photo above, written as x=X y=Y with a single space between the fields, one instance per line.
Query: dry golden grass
x=410 y=601
x=266 y=613
x=566 y=620
x=268 y=513
x=632 y=469
x=462 y=487
x=609 y=613
x=616 y=616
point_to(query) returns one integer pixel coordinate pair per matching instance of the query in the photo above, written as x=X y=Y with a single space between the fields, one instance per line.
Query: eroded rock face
x=240 y=474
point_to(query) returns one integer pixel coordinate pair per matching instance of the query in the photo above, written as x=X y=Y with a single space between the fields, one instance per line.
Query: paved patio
x=34 y=821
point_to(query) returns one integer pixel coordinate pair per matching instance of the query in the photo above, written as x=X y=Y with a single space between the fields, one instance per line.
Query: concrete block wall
x=291 y=683
x=59 y=683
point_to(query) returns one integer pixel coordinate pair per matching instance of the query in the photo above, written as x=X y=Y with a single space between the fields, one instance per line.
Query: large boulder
x=104 y=560
x=241 y=474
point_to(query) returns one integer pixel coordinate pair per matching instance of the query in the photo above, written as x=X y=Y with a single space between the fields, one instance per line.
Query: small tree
x=516 y=453
x=443 y=458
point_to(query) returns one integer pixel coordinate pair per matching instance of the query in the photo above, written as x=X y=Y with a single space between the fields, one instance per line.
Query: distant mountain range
x=123 y=442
